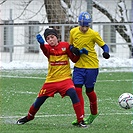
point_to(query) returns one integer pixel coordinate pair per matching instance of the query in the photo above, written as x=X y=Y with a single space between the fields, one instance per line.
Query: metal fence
x=18 y=41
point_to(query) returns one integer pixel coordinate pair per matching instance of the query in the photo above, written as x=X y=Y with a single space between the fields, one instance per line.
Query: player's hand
x=83 y=51
x=40 y=39
x=106 y=55
x=78 y=52
x=74 y=50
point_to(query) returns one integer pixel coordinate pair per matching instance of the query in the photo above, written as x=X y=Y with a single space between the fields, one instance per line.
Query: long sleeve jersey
x=58 y=58
x=86 y=40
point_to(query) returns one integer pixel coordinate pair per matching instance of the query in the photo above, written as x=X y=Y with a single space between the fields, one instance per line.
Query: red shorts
x=49 y=89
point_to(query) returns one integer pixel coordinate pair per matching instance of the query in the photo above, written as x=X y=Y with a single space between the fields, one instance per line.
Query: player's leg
x=78 y=79
x=91 y=94
x=78 y=88
x=92 y=99
x=77 y=107
x=33 y=110
x=47 y=90
x=93 y=106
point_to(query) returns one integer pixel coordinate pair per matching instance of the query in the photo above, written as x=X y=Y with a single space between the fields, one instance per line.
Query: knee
x=71 y=92
x=78 y=85
x=73 y=95
x=39 y=101
x=89 y=90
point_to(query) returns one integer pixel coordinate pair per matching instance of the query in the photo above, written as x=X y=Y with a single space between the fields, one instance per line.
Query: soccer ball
x=126 y=100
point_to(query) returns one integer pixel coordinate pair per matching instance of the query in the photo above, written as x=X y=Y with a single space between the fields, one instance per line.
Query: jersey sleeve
x=70 y=38
x=73 y=57
x=98 y=39
x=45 y=50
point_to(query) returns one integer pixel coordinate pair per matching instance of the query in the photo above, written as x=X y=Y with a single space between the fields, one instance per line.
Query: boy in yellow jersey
x=58 y=79
x=86 y=68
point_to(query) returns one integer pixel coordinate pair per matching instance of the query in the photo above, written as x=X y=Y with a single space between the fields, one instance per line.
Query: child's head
x=50 y=31
x=51 y=36
x=84 y=21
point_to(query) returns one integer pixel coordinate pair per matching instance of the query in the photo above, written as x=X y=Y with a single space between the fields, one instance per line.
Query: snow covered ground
x=105 y=65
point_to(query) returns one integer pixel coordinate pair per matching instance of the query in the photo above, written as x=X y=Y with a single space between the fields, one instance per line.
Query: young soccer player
x=58 y=79
x=86 y=68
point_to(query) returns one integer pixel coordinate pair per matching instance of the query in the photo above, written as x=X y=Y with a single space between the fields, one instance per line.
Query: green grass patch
x=19 y=90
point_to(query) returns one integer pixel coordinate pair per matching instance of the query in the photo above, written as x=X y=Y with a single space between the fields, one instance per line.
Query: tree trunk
x=57 y=14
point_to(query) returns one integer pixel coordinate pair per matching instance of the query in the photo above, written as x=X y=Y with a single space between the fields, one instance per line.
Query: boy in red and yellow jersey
x=58 y=79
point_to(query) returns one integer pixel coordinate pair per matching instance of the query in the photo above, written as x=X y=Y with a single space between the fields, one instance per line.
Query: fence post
x=11 y=36
x=62 y=33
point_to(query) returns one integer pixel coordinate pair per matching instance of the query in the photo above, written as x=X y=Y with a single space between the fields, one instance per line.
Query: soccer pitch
x=19 y=89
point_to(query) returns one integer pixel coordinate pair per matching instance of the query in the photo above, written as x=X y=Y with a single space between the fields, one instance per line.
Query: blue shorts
x=85 y=76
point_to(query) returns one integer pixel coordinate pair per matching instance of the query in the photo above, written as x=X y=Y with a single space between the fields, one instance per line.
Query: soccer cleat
x=82 y=124
x=90 y=119
x=75 y=123
x=22 y=120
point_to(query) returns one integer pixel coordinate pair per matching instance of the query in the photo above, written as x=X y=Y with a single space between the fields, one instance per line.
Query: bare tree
x=121 y=29
x=2 y=2
x=57 y=13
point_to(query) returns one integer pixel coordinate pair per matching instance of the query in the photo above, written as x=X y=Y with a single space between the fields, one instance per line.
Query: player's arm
x=74 y=58
x=75 y=50
x=42 y=44
x=100 y=42
x=78 y=52
x=105 y=51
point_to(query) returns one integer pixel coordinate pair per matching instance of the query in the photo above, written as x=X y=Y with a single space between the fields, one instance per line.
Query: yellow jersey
x=88 y=41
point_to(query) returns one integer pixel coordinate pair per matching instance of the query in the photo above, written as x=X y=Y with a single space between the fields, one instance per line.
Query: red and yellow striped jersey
x=58 y=58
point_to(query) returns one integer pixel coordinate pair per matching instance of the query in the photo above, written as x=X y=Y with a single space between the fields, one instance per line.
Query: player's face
x=52 y=40
x=84 y=28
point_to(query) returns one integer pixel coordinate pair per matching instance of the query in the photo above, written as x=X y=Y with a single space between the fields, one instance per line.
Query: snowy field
x=105 y=65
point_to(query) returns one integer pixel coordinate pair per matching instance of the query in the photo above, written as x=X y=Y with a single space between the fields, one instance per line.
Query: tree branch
x=120 y=28
x=25 y=8
x=2 y=2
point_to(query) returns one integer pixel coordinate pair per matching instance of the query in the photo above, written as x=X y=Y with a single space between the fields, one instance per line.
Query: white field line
x=24 y=92
x=21 y=77
x=64 y=115
x=60 y=115
x=26 y=77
